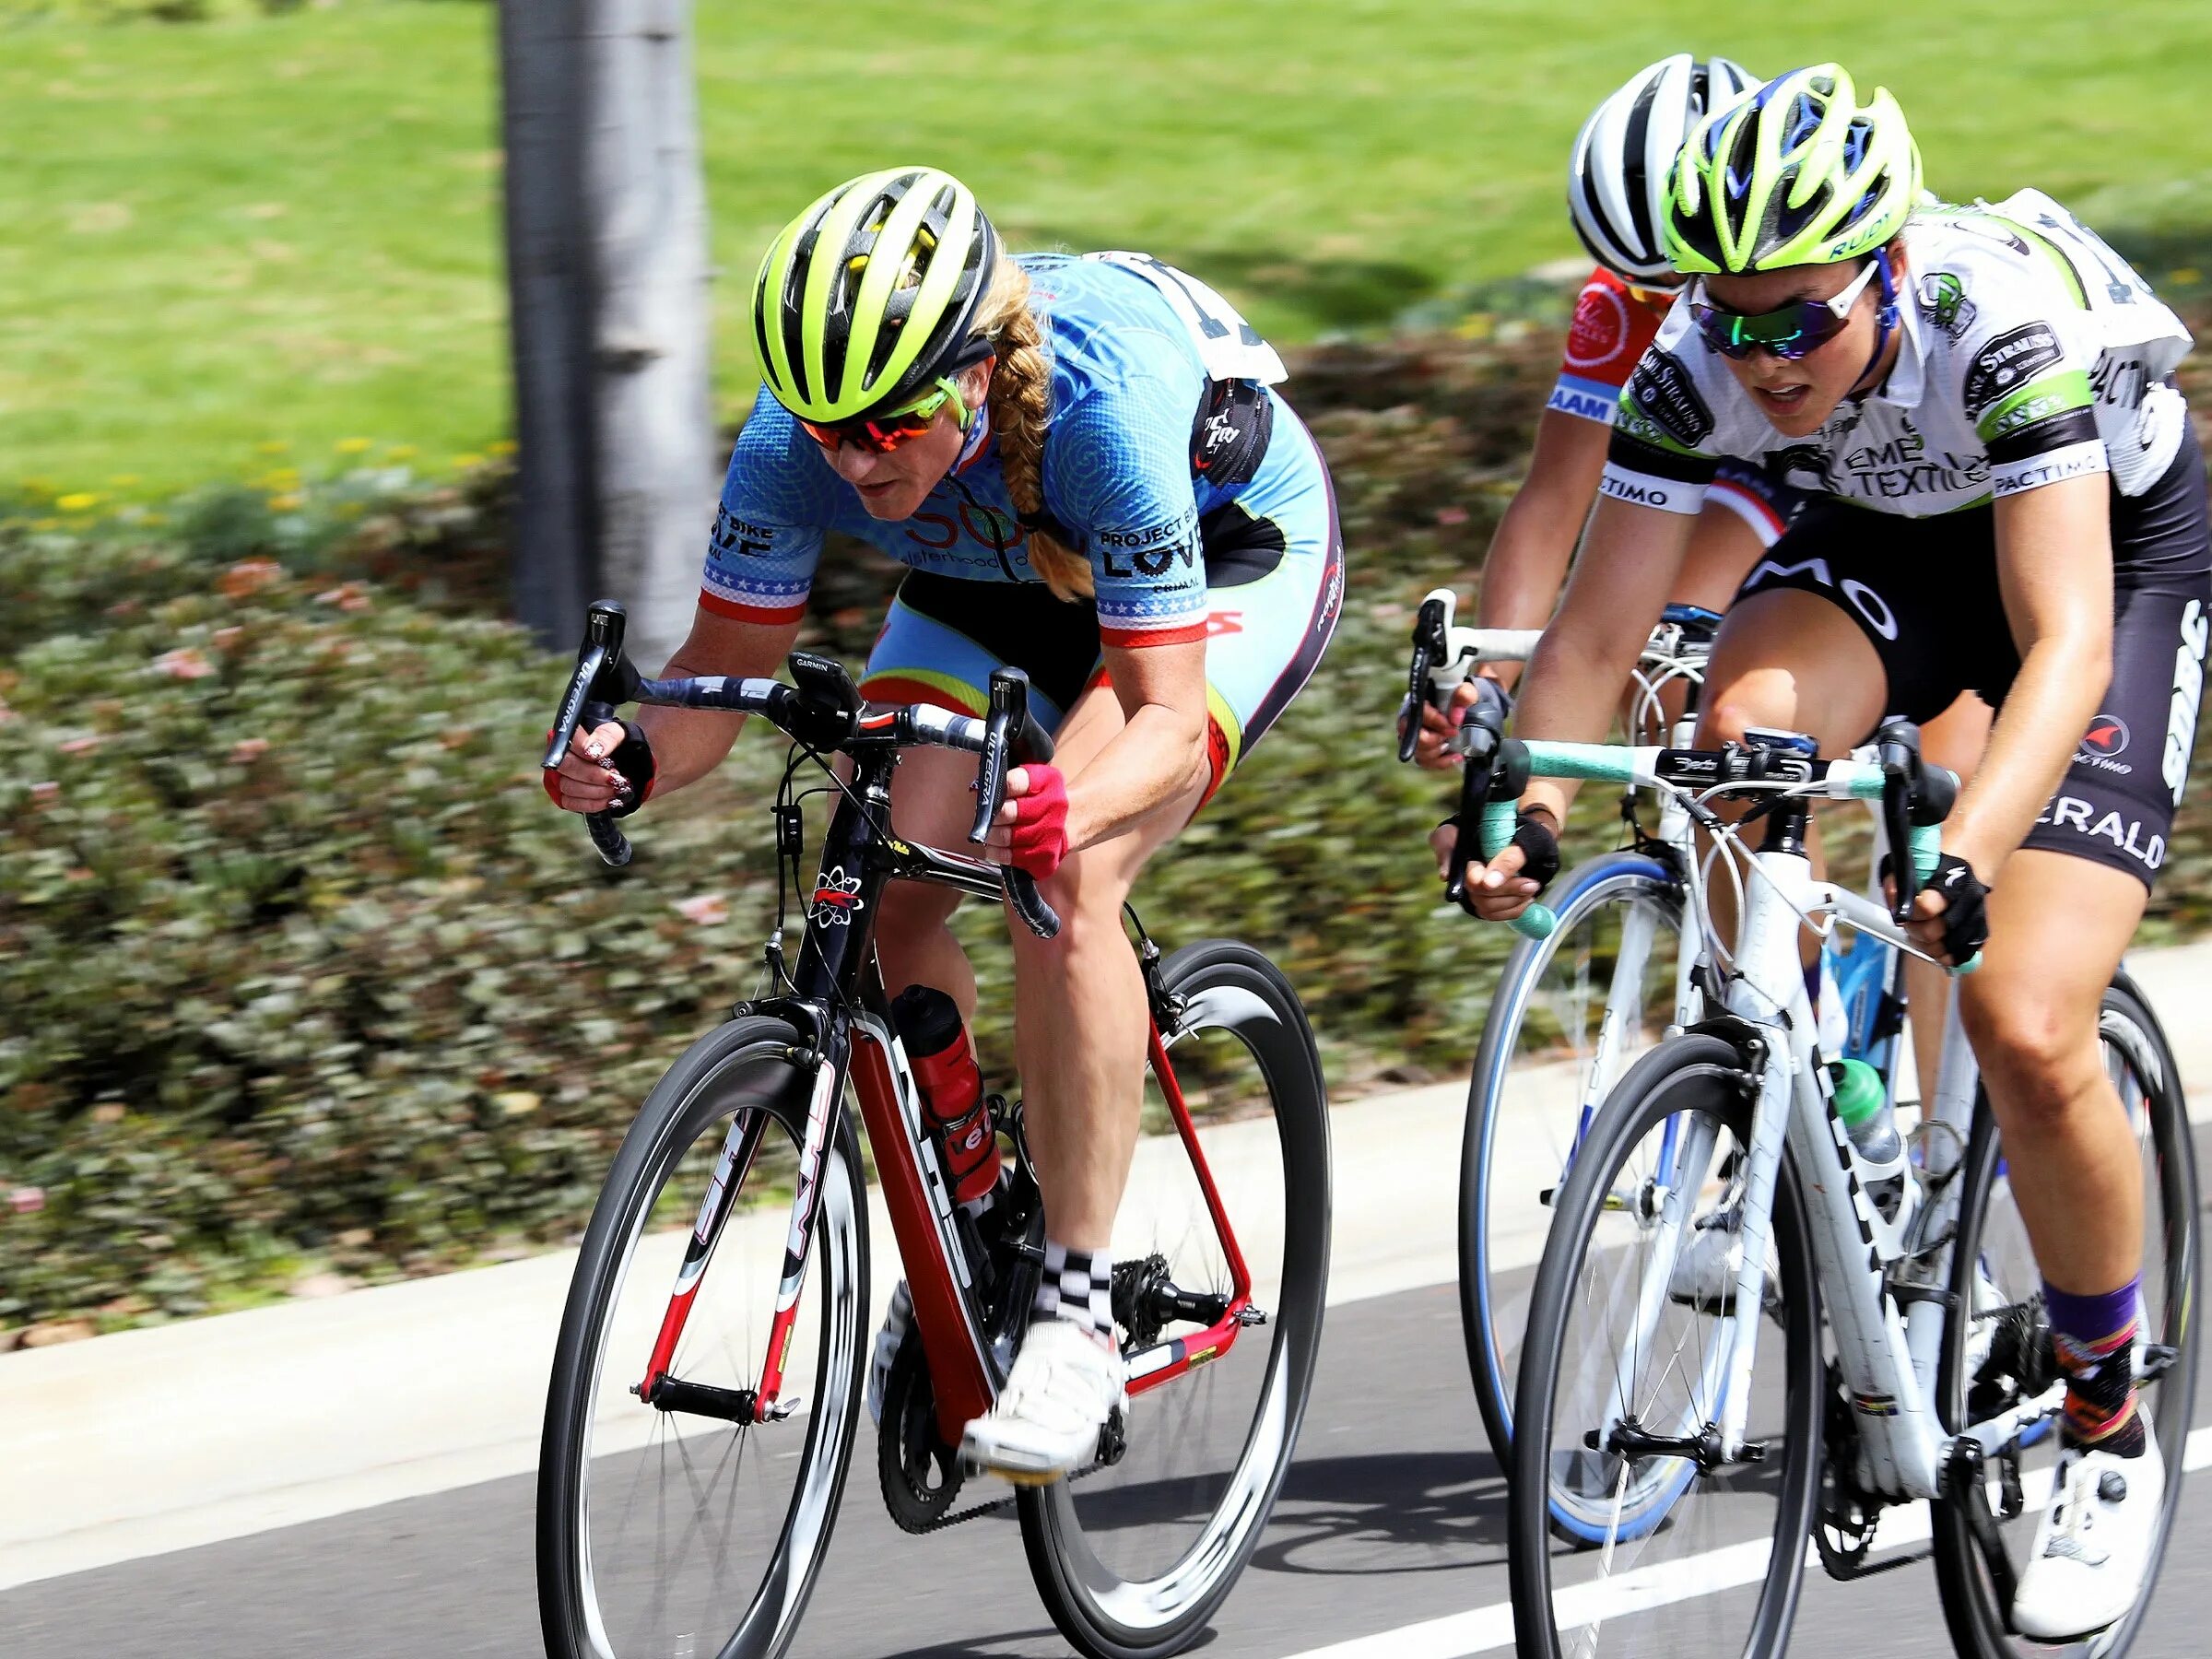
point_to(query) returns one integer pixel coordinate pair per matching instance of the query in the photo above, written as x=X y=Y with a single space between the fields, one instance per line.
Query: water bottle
x=952 y=1091
x=1861 y=968
x=1862 y=1103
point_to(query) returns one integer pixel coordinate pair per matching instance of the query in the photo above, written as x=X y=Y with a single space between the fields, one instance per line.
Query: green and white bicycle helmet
x=866 y=300
x=1799 y=173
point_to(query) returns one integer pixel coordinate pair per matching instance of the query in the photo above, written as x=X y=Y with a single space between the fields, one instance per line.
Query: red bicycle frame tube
x=958 y=1374
x=1164 y=1361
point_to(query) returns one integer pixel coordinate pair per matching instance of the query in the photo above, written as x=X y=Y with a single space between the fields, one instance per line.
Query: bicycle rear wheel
x=2002 y=1353
x=1133 y=1556
x=663 y=1531
x=1571 y=1012
x=1666 y=1550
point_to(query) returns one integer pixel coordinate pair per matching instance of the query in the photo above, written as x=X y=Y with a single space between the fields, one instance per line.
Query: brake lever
x=603 y=679
x=1480 y=732
x=1011 y=734
x=1431 y=645
x=1897 y=748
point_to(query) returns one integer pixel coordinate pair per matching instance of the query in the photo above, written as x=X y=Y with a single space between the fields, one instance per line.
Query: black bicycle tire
x=1636 y=1102
x=1603 y=880
x=637 y=1170
x=1976 y=1624
x=1302 y=1120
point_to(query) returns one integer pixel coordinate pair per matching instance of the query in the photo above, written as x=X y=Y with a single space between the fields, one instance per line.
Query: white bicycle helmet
x=1616 y=187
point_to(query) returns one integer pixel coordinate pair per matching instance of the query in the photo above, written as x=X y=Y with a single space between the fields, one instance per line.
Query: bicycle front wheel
x=1573 y=1011
x=1997 y=1355
x=670 y=1524
x=1133 y=1556
x=1626 y=1376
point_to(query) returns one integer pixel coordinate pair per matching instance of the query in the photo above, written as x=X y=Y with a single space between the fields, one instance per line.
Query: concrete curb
x=180 y=1435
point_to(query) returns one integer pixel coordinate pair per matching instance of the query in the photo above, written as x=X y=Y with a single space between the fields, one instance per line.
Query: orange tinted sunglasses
x=882 y=434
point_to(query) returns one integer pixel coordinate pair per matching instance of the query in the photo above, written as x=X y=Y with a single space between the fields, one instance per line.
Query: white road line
x=1488 y=1630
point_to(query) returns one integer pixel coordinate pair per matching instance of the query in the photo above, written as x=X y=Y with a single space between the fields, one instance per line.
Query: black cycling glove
x=1965 y=904
x=1966 y=909
x=633 y=759
x=1539 y=845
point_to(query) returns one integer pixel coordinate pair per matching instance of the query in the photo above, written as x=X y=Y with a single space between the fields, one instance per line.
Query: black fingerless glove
x=1539 y=845
x=1966 y=908
x=1965 y=904
x=633 y=759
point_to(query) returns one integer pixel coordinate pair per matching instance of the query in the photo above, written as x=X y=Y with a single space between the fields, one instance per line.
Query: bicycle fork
x=763 y=1404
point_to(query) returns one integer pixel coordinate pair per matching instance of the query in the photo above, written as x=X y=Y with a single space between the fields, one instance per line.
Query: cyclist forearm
x=2052 y=699
x=2054 y=559
x=1159 y=753
x=689 y=743
x=1573 y=682
x=1527 y=561
x=1156 y=759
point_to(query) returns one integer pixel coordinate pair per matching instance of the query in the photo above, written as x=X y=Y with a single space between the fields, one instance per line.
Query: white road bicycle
x=1579 y=1000
x=1682 y=1463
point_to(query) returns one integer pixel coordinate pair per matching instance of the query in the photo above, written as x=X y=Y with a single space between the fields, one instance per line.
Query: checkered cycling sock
x=2095 y=1337
x=1076 y=1285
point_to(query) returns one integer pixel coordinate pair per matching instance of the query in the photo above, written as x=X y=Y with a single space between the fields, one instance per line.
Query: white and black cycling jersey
x=2030 y=353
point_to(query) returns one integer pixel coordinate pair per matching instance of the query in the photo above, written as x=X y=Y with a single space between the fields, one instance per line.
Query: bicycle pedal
x=784 y=1408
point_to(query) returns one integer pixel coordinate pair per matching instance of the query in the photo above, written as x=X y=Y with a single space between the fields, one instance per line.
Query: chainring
x=921 y=1475
x=1843 y=1527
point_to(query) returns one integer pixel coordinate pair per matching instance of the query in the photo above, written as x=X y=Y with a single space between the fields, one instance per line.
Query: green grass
x=285 y=230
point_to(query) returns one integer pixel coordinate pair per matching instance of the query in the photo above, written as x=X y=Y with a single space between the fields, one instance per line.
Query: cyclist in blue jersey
x=1083 y=464
x=2009 y=499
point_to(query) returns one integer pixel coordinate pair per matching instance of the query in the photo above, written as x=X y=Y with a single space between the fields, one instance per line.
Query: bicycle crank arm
x=1632 y=1441
x=2159 y=1358
x=1965 y=1488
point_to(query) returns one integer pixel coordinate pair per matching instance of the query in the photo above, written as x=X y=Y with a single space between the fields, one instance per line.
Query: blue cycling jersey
x=1129 y=342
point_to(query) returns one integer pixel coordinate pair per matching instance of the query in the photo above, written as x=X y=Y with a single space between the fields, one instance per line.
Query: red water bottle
x=952 y=1089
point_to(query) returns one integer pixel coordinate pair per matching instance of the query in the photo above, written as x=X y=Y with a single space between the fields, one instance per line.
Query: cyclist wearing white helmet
x=1616 y=195
x=2008 y=498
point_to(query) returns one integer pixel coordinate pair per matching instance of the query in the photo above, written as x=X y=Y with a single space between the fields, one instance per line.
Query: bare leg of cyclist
x=1723 y=550
x=933 y=802
x=2058 y=926
x=1954 y=738
x=1079 y=1024
x=1791 y=660
x=1080 y=1015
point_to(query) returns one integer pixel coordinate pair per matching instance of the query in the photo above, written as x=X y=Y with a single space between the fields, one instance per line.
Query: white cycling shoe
x=2092 y=1546
x=888 y=1343
x=1062 y=1386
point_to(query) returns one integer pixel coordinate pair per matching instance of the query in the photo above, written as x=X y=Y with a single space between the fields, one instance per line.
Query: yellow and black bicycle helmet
x=866 y=300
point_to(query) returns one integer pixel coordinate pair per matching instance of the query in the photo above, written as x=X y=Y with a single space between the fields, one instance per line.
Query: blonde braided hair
x=1021 y=400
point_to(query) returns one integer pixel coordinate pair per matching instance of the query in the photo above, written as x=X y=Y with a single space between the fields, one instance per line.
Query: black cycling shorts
x=1924 y=592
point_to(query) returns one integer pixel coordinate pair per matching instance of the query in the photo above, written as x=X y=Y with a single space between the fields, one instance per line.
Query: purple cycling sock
x=2095 y=1337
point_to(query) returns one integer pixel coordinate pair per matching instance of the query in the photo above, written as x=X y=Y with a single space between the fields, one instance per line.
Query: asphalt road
x=1394 y=1514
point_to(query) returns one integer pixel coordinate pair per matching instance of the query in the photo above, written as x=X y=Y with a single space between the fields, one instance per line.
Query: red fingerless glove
x=1040 y=829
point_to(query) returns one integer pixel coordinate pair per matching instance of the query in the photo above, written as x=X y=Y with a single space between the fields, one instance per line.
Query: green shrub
x=302 y=969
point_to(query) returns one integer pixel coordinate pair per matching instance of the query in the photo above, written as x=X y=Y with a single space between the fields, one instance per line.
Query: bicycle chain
x=977 y=1511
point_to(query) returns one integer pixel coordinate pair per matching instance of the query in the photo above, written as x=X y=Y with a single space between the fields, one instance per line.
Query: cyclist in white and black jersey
x=2011 y=500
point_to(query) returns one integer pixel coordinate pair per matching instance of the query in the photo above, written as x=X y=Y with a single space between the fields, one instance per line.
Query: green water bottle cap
x=1859 y=1091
